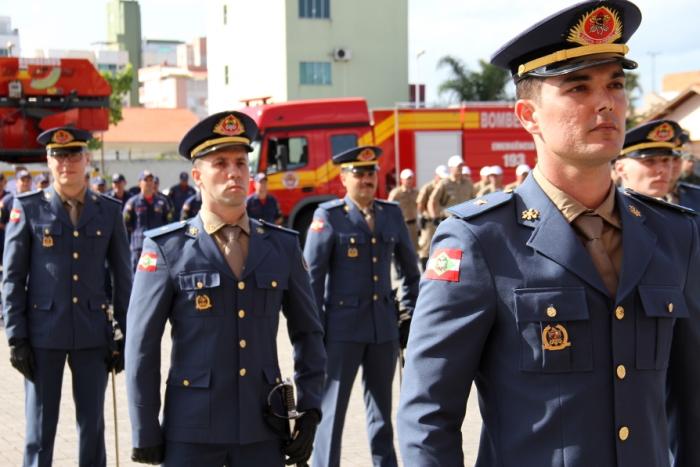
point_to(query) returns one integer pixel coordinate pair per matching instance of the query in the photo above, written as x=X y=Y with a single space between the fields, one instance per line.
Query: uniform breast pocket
x=389 y=239
x=203 y=290
x=555 y=329
x=271 y=286
x=47 y=236
x=349 y=244
x=662 y=306
x=99 y=235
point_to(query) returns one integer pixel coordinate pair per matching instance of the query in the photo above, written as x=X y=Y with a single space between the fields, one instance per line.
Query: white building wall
x=252 y=46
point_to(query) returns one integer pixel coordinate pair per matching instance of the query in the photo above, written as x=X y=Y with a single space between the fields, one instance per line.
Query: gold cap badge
x=600 y=26
x=366 y=155
x=663 y=132
x=62 y=137
x=229 y=126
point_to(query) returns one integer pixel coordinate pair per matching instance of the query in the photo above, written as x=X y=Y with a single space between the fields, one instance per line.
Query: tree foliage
x=633 y=89
x=121 y=86
x=466 y=85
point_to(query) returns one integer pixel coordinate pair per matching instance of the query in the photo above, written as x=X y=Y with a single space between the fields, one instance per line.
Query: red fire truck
x=298 y=139
x=37 y=94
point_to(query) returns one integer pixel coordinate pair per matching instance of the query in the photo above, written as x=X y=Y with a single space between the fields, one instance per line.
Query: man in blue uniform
x=571 y=305
x=191 y=207
x=683 y=190
x=23 y=184
x=179 y=193
x=118 y=188
x=261 y=204
x=147 y=210
x=647 y=157
x=349 y=249
x=54 y=302
x=221 y=279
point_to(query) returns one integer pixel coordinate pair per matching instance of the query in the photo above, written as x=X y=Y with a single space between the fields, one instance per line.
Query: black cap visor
x=570 y=66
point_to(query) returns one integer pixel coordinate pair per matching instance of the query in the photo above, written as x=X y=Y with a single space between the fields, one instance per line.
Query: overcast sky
x=467 y=29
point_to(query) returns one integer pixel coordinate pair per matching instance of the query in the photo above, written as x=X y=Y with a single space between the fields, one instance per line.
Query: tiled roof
x=142 y=125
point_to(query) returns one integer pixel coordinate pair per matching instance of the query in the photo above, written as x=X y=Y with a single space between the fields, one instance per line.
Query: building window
x=226 y=75
x=314 y=9
x=225 y=15
x=315 y=73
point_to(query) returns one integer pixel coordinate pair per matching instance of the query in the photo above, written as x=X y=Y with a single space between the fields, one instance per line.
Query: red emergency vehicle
x=37 y=94
x=298 y=139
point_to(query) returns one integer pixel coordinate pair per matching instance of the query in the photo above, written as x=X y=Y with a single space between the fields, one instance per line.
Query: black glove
x=22 y=358
x=404 y=327
x=150 y=455
x=115 y=358
x=299 y=449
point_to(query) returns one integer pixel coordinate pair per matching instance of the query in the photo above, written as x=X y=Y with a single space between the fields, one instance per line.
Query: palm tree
x=486 y=85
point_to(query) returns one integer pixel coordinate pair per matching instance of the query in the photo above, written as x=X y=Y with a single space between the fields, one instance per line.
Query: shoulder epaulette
x=480 y=205
x=110 y=198
x=278 y=227
x=386 y=201
x=28 y=194
x=334 y=203
x=153 y=233
x=689 y=186
x=658 y=202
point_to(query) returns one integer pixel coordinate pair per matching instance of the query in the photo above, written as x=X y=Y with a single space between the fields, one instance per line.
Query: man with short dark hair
x=145 y=211
x=350 y=247
x=179 y=193
x=572 y=306
x=54 y=303
x=221 y=280
x=118 y=190
x=261 y=204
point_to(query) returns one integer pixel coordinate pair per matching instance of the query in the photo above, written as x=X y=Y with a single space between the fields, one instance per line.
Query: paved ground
x=355 y=446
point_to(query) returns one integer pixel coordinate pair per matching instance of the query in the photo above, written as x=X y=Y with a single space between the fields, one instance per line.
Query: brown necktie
x=591 y=226
x=232 y=248
x=369 y=218
x=73 y=211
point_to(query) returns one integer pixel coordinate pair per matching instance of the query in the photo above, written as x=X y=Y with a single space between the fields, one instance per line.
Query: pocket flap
x=663 y=301
x=272 y=374
x=48 y=229
x=268 y=280
x=41 y=303
x=348 y=300
x=189 y=377
x=551 y=304
x=199 y=280
x=351 y=239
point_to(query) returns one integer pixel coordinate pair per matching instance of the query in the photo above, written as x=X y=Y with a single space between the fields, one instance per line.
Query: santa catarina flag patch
x=15 y=215
x=443 y=265
x=147 y=261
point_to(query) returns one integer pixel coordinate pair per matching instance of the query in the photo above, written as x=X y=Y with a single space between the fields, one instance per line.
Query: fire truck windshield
x=254 y=157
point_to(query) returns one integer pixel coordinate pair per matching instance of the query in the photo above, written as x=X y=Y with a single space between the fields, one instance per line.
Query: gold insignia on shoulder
x=94 y=198
x=600 y=26
x=634 y=211
x=555 y=337
x=530 y=214
x=347 y=208
x=480 y=202
x=260 y=230
x=194 y=231
x=230 y=125
x=508 y=190
x=663 y=132
x=352 y=252
x=47 y=241
x=202 y=302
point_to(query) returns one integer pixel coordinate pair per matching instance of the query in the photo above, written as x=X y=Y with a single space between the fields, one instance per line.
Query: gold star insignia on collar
x=194 y=231
x=634 y=211
x=480 y=202
x=347 y=208
x=530 y=214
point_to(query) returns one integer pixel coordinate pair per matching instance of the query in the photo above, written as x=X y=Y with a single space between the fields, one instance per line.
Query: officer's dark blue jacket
x=191 y=207
x=178 y=196
x=689 y=196
x=224 y=329
x=54 y=273
x=140 y=215
x=350 y=270
x=267 y=211
x=630 y=361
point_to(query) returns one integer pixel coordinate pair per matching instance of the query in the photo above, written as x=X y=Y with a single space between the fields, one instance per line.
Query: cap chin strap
x=567 y=54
